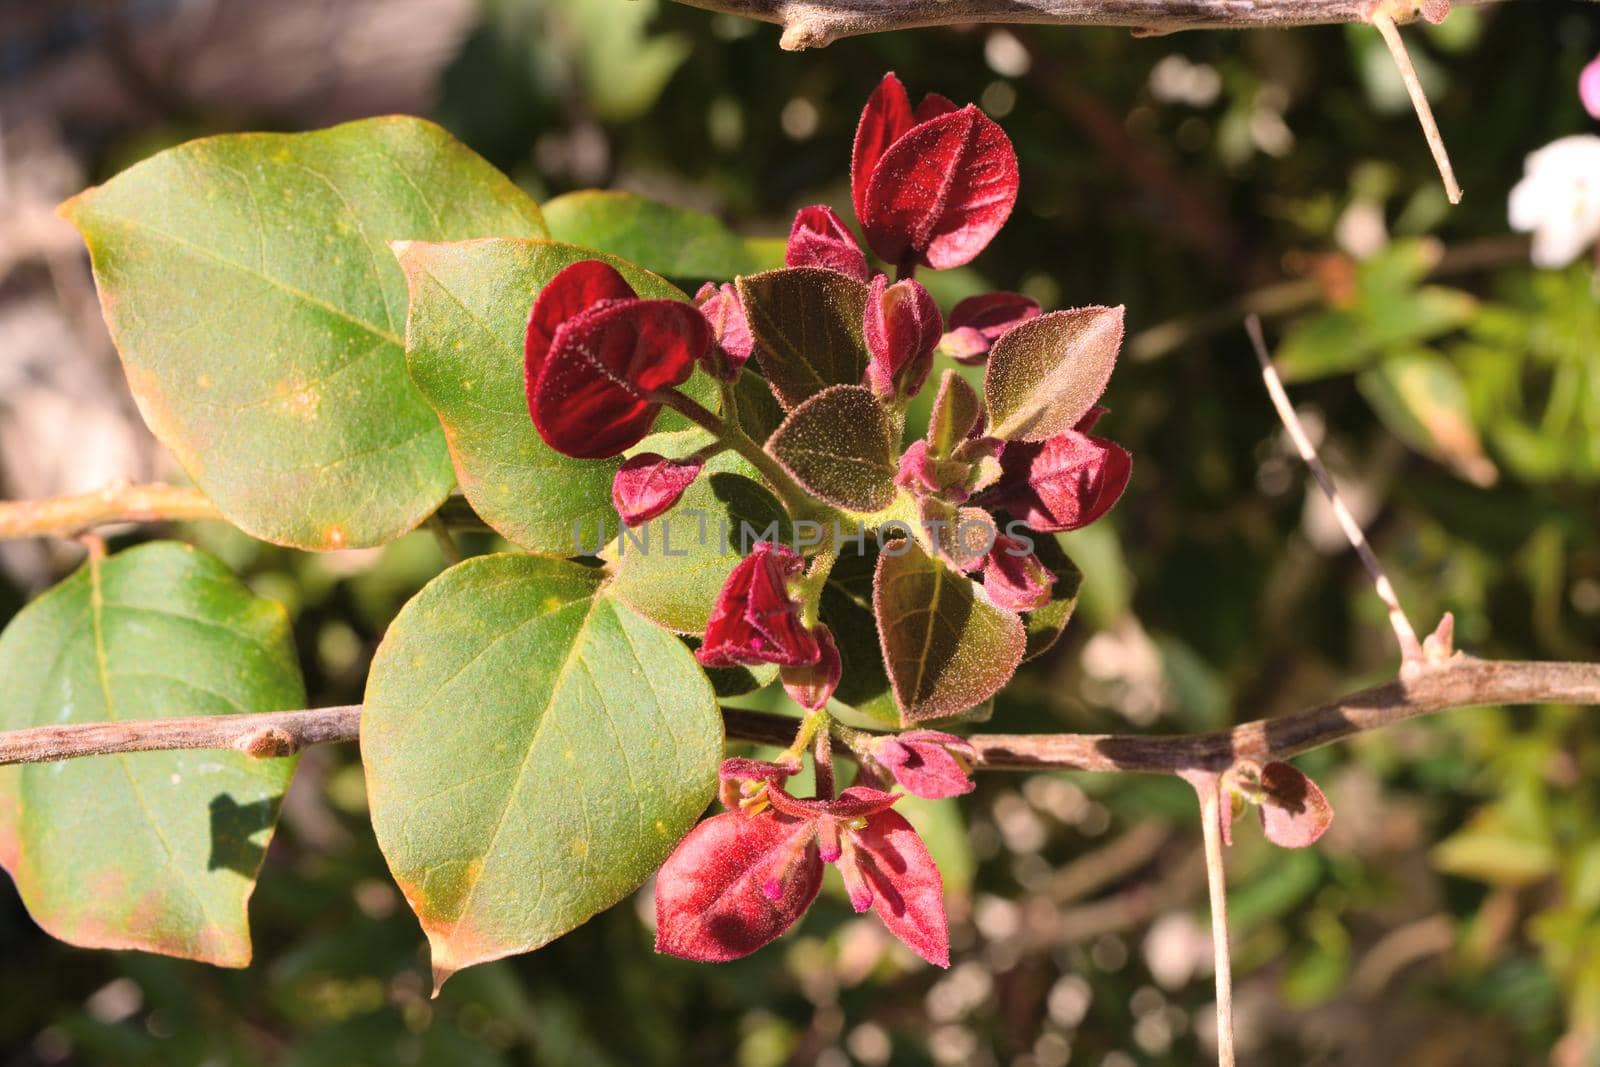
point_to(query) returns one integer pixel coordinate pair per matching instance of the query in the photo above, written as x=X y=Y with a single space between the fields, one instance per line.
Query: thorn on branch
x=1433 y=11
x=1411 y=650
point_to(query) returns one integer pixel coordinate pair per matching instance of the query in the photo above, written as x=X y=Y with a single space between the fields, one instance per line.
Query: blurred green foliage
x=1451 y=915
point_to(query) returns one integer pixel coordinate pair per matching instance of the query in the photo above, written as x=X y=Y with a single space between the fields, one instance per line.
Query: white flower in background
x=1558 y=199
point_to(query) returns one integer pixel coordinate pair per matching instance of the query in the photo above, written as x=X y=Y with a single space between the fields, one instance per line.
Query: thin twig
x=68 y=516
x=1419 y=100
x=1461 y=682
x=1208 y=787
x=442 y=537
x=1410 y=648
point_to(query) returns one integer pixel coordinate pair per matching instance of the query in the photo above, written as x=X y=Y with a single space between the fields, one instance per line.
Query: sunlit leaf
x=261 y=320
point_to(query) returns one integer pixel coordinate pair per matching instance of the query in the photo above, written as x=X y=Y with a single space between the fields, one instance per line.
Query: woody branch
x=815 y=23
x=1460 y=682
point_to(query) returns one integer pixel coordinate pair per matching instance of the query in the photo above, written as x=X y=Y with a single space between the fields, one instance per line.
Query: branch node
x=805 y=32
x=269 y=742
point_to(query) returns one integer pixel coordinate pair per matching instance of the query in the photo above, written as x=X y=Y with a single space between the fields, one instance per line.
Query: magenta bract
x=819 y=238
x=812 y=686
x=939 y=192
x=730 y=889
x=1589 y=87
x=1066 y=482
x=649 y=484
x=755 y=620
x=713 y=895
x=928 y=763
x=1014 y=578
x=731 y=340
x=594 y=354
x=977 y=322
x=902 y=326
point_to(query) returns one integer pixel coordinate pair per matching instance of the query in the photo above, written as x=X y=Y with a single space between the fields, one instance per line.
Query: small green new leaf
x=1046 y=374
x=841 y=445
x=534 y=749
x=260 y=317
x=957 y=410
x=468 y=313
x=947 y=648
x=151 y=850
x=806 y=322
x=671 y=241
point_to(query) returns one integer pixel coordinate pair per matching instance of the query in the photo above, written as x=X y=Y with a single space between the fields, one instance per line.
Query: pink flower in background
x=1589 y=87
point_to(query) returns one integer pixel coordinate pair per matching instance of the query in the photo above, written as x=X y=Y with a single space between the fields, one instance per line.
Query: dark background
x=1452 y=914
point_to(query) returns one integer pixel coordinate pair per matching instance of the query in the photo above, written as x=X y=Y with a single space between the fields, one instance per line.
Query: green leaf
x=468 y=313
x=1045 y=625
x=151 y=850
x=671 y=568
x=1321 y=345
x=841 y=445
x=1421 y=398
x=533 y=749
x=847 y=609
x=947 y=648
x=1046 y=374
x=957 y=410
x=260 y=317
x=806 y=322
x=673 y=241
x=624 y=66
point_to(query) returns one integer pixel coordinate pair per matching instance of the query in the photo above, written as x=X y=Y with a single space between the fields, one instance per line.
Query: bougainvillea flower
x=731 y=340
x=812 y=686
x=755 y=620
x=930 y=187
x=819 y=238
x=928 y=763
x=1013 y=576
x=1065 y=482
x=594 y=355
x=740 y=880
x=902 y=326
x=649 y=484
x=743 y=781
x=978 y=322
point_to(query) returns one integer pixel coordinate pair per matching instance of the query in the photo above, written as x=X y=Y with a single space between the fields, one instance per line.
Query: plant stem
x=1208 y=787
x=822 y=761
x=796 y=501
x=1460 y=682
x=67 y=516
x=441 y=537
x=1419 y=101
x=809 y=587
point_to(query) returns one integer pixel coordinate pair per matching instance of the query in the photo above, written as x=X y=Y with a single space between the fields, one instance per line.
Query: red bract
x=1294 y=811
x=928 y=763
x=711 y=904
x=902 y=327
x=812 y=686
x=819 y=238
x=1014 y=578
x=731 y=340
x=649 y=484
x=738 y=881
x=594 y=354
x=979 y=321
x=754 y=619
x=1063 y=483
x=931 y=188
